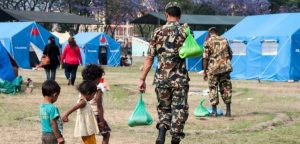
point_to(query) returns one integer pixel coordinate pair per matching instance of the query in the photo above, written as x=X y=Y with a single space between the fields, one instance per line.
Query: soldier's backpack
x=140 y=116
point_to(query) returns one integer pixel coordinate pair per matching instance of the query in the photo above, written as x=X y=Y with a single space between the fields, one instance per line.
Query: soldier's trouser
x=225 y=87
x=172 y=109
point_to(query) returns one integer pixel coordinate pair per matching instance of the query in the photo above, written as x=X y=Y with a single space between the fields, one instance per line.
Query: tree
x=237 y=7
x=28 y=5
x=141 y=8
x=278 y=6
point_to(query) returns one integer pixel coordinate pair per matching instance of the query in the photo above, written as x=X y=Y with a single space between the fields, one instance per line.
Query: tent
x=192 y=64
x=266 y=47
x=98 y=48
x=195 y=64
x=139 y=47
x=21 y=39
x=7 y=65
x=61 y=36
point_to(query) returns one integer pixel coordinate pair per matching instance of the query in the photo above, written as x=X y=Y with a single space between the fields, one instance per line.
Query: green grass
x=253 y=103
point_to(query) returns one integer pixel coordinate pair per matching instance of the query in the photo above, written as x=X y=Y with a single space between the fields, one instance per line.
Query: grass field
x=263 y=113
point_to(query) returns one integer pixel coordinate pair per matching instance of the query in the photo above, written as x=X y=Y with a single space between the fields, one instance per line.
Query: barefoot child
x=49 y=114
x=86 y=125
x=94 y=73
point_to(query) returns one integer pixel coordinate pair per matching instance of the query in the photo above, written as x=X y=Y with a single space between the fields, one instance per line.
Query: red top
x=101 y=80
x=71 y=56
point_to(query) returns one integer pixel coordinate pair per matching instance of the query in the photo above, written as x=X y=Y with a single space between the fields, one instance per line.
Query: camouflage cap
x=212 y=29
x=171 y=4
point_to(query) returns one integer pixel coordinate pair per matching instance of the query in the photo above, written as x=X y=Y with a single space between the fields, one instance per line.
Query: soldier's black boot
x=175 y=140
x=161 y=135
x=228 y=110
x=214 y=111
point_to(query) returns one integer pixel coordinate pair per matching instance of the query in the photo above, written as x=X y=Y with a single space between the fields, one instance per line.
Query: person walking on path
x=171 y=78
x=86 y=125
x=71 y=58
x=217 y=67
x=52 y=51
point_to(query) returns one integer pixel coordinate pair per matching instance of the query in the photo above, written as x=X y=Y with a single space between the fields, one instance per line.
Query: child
x=86 y=125
x=49 y=114
x=94 y=73
x=29 y=86
x=103 y=85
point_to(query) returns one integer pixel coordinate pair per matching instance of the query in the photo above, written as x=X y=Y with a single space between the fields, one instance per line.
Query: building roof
x=159 y=18
x=47 y=17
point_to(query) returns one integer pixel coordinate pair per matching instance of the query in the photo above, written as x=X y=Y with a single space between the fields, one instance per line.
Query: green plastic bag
x=11 y=87
x=190 y=47
x=201 y=111
x=140 y=116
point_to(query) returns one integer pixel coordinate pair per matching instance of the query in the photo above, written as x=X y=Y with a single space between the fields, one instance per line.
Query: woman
x=52 y=51
x=71 y=58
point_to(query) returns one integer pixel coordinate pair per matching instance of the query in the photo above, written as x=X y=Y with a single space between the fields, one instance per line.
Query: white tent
x=61 y=36
x=139 y=47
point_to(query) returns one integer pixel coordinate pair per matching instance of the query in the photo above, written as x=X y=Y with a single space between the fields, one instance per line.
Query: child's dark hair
x=92 y=72
x=50 y=87
x=174 y=11
x=87 y=88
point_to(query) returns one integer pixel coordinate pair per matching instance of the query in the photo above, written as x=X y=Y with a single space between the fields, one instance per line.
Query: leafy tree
x=236 y=7
x=279 y=6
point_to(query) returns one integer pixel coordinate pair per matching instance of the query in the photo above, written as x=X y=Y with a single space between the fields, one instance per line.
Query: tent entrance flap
x=35 y=55
x=102 y=54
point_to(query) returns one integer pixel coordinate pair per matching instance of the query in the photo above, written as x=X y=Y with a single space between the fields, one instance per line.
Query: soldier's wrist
x=142 y=79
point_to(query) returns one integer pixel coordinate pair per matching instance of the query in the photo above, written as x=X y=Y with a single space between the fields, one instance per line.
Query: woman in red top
x=71 y=58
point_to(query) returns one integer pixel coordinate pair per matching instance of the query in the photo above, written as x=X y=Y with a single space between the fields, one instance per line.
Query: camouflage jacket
x=171 y=69
x=217 y=52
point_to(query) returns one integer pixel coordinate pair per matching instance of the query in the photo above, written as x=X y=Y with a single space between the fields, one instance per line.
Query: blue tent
x=19 y=38
x=6 y=65
x=195 y=64
x=192 y=64
x=90 y=43
x=266 y=47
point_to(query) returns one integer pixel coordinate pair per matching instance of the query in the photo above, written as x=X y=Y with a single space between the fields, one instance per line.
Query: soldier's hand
x=142 y=86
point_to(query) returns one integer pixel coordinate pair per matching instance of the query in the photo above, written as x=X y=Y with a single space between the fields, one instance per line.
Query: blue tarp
x=16 y=38
x=89 y=43
x=6 y=66
x=254 y=31
x=192 y=64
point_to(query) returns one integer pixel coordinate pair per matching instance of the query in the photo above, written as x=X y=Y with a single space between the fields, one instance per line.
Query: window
x=238 y=47
x=269 y=47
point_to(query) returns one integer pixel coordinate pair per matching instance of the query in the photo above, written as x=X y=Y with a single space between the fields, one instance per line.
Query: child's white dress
x=86 y=123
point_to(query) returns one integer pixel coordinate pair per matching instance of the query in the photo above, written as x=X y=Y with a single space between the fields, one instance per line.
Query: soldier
x=217 y=67
x=171 y=77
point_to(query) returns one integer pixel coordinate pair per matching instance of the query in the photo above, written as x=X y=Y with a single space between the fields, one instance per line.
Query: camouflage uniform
x=171 y=77
x=218 y=55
